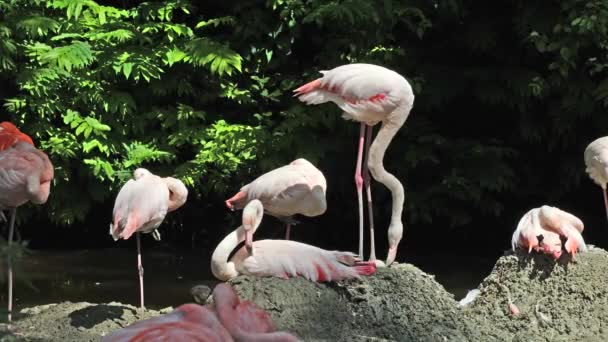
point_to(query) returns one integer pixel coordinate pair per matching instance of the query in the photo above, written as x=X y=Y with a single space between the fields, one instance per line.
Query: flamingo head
x=252 y=217
x=395 y=233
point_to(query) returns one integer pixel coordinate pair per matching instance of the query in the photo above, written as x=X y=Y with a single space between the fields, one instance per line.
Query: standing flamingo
x=141 y=206
x=25 y=176
x=369 y=94
x=296 y=188
x=541 y=229
x=228 y=319
x=596 y=160
x=280 y=258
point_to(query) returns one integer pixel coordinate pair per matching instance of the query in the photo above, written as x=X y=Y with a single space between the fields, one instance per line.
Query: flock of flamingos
x=366 y=93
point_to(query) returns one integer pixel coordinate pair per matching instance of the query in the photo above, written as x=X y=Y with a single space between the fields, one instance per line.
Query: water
x=105 y=275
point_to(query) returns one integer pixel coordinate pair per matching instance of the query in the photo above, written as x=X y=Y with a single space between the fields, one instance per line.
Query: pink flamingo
x=141 y=206
x=228 y=319
x=540 y=229
x=25 y=176
x=296 y=188
x=596 y=160
x=369 y=94
x=280 y=258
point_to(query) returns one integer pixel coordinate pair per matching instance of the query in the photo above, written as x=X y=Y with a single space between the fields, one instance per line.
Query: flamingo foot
x=365 y=267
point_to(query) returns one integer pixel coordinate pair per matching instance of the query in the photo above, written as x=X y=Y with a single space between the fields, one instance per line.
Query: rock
x=563 y=301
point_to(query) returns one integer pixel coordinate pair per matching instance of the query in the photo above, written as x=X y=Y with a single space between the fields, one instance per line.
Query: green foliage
x=503 y=92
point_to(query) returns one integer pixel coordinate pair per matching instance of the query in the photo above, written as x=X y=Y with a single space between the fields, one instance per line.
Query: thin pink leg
x=287 y=229
x=368 y=190
x=10 y=264
x=605 y=200
x=359 y=184
x=140 y=270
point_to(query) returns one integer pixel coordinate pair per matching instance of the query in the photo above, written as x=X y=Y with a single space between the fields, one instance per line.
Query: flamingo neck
x=220 y=266
x=387 y=132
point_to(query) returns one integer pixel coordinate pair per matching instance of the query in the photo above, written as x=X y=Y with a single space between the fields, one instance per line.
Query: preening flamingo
x=25 y=176
x=296 y=188
x=141 y=206
x=228 y=319
x=540 y=229
x=596 y=160
x=280 y=258
x=369 y=94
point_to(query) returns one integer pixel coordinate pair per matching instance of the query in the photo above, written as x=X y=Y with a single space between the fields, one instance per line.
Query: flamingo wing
x=140 y=205
x=188 y=323
x=20 y=175
x=596 y=161
x=286 y=258
x=284 y=191
x=10 y=134
x=365 y=92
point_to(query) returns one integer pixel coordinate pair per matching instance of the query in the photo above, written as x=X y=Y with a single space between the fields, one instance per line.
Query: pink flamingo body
x=141 y=206
x=280 y=258
x=25 y=176
x=369 y=94
x=296 y=188
x=596 y=160
x=540 y=230
x=228 y=319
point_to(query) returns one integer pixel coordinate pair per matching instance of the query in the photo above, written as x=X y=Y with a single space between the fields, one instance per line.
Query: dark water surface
x=104 y=275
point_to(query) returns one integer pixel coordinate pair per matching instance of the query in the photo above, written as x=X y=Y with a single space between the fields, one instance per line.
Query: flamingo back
x=596 y=161
x=365 y=92
x=296 y=188
x=10 y=134
x=188 y=323
x=286 y=258
x=25 y=175
x=141 y=205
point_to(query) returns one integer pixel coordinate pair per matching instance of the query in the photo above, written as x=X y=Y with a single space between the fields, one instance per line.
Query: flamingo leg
x=359 y=184
x=605 y=200
x=368 y=191
x=287 y=230
x=140 y=270
x=10 y=264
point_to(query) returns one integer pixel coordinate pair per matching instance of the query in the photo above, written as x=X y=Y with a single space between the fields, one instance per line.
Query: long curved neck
x=220 y=266
x=178 y=193
x=387 y=132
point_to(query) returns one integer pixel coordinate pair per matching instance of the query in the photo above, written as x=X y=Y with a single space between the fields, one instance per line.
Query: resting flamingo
x=280 y=258
x=296 y=188
x=228 y=319
x=141 y=206
x=369 y=94
x=541 y=229
x=596 y=160
x=25 y=176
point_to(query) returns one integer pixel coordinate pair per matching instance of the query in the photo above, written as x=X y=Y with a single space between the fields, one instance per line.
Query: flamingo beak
x=249 y=241
x=392 y=254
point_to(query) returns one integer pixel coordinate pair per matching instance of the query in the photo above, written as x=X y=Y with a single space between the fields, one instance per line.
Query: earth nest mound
x=558 y=301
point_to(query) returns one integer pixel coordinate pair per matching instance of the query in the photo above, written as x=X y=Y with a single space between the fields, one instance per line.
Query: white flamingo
x=369 y=94
x=596 y=160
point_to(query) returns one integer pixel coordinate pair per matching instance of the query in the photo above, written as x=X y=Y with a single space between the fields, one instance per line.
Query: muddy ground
x=556 y=302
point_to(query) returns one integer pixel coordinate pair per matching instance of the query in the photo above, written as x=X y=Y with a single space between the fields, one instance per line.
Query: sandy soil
x=556 y=301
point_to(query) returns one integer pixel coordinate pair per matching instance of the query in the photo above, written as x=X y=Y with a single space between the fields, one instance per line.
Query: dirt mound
x=400 y=303
x=73 y=321
x=557 y=301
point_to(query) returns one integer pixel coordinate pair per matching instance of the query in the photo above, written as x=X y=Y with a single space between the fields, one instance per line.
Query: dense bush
x=508 y=94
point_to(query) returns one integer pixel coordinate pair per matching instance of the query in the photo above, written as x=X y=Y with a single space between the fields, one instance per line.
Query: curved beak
x=392 y=254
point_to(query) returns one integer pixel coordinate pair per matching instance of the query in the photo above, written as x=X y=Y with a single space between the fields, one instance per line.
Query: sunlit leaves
x=76 y=55
x=217 y=57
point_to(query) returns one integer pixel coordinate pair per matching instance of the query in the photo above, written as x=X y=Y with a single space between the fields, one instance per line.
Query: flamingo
x=228 y=319
x=541 y=229
x=296 y=188
x=25 y=176
x=369 y=94
x=280 y=258
x=596 y=160
x=141 y=206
